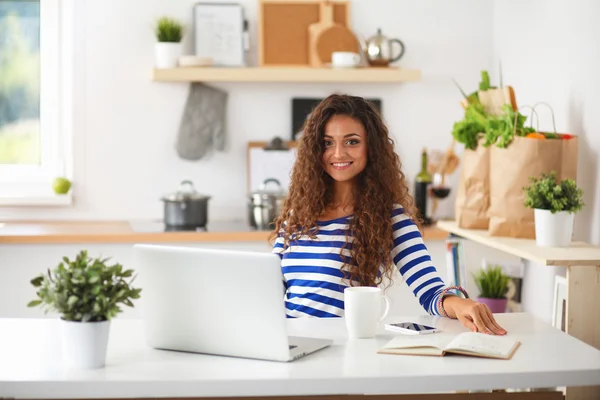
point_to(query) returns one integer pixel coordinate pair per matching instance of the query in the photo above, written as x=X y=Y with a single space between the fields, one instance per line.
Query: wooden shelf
x=579 y=254
x=286 y=74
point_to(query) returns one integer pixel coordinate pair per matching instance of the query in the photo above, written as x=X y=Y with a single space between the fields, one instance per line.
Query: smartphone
x=411 y=328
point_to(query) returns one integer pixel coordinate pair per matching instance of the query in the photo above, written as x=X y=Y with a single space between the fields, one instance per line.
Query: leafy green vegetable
x=472 y=127
x=485 y=81
x=491 y=282
x=501 y=128
x=547 y=194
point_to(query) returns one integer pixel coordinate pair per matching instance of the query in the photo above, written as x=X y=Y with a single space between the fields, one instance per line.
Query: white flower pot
x=553 y=230
x=167 y=54
x=84 y=344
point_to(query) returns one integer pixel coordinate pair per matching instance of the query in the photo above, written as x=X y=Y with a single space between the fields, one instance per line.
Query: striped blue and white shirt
x=312 y=275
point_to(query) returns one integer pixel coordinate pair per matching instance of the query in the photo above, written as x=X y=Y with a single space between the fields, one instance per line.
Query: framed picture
x=559 y=307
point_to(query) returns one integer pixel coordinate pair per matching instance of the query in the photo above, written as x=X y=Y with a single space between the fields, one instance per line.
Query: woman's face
x=345 y=144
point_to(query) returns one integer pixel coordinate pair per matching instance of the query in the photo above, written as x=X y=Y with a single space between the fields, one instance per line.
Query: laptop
x=220 y=302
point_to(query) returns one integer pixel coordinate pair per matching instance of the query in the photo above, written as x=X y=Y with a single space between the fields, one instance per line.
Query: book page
x=432 y=344
x=482 y=344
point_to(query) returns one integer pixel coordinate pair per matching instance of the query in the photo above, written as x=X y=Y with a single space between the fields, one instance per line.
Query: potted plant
x=493 y=285
x=87 y=293
x=169 y=33
x=554 y=204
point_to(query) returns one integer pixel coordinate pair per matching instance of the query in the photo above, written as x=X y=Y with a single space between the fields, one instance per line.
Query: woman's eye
x=328 y=143
x=352 y=141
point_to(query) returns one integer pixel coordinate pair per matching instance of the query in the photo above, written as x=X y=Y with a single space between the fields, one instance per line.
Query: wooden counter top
x=52 y=232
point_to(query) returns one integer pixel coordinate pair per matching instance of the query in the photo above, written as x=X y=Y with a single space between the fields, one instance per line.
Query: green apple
x=61 y=185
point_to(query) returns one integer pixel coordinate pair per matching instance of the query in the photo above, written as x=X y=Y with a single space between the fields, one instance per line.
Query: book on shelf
x=468 y=343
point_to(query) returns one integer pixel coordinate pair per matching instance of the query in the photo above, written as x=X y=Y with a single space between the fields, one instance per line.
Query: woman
x=349 y=220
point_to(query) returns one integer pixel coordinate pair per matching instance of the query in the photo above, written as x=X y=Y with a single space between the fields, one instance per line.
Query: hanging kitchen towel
x=202 y=126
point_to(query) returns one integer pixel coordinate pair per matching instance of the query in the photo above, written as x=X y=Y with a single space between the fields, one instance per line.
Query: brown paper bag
x=492 y=100
x=473 y=195
x=510 y=170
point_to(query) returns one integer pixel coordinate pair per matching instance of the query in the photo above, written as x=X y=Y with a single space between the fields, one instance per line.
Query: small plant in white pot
x=554 y=204
x=86 y=292
x=493 y=286
x=169 y=33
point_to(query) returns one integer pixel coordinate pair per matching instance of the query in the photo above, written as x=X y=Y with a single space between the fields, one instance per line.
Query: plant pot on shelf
x=553 y=229
x=167 y=54
x=495 y=305
x=84 y=344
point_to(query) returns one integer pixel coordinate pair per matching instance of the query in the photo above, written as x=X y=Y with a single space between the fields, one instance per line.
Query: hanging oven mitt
x=202 y=126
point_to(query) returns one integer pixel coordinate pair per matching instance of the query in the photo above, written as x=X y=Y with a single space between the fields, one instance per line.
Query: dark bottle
x=422 y=185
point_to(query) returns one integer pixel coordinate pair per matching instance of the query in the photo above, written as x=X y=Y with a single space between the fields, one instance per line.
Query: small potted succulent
x=86 y=292
x=493 y=286
x=168 y=48
x=555 y=204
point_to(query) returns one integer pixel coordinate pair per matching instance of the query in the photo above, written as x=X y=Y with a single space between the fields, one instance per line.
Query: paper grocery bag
x=492 y=100
x=473 y=194
x=510 y=169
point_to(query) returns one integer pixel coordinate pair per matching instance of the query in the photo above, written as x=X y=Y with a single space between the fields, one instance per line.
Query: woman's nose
x=339 y=151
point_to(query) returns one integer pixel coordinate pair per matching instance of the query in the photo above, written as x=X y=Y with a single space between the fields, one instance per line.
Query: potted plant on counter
x=87 y=293
x=493 y=285
x=169 y=33
x=554 y=204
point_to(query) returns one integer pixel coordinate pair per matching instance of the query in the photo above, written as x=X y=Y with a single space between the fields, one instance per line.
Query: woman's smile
x=341 y=165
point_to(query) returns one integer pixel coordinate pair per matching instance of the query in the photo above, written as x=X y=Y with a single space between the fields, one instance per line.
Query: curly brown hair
x=379 y=187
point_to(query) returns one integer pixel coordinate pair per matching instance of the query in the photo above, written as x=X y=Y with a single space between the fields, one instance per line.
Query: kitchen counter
x=54 y=232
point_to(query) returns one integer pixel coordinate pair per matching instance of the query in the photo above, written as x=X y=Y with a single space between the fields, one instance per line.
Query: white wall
x=550 y=51
x=126 y=124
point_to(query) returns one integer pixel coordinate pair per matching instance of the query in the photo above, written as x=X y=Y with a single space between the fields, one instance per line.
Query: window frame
x=29 y=184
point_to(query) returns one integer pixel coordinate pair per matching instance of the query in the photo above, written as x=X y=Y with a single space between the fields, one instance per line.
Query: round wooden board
x=336 y=38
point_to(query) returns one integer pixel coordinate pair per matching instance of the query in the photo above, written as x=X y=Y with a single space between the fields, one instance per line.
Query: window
x=33 y=134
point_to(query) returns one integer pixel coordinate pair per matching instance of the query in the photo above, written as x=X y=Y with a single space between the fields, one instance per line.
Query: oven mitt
x=202 y=126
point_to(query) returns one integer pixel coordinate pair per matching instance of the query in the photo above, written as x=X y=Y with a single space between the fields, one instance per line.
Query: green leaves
x=85 y=289
x=471 y=128
x=501 y=129
x=491 y=282
x=546 y=193
x=168 y=30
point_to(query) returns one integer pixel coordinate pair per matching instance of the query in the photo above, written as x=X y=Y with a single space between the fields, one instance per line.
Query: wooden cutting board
x=327 y=36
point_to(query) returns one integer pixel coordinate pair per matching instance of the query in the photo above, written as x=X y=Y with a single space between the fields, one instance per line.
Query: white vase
x=167 y=54
x=84 y=344
x=553 y=230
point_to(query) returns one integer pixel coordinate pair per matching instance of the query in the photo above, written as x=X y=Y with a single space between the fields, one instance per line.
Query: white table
x=582 y=262
x=30 y=365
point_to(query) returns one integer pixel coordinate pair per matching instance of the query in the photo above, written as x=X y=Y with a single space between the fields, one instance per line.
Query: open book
x=468 y=343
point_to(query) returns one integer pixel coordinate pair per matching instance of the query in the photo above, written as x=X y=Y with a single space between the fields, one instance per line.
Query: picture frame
x=559 y=305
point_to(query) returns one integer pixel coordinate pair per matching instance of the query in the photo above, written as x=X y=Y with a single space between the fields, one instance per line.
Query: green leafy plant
x=491 y=282
x=168 y=30
x=546 y=193
x=85 y=289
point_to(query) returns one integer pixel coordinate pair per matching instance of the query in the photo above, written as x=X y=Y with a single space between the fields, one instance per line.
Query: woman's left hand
x=476 y=316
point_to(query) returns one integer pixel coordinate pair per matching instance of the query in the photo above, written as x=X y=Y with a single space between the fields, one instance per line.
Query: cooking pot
x=265 y=205
x=185 y=209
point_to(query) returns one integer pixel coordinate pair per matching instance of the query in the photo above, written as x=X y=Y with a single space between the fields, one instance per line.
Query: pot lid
x=274 y=190
x=185 y=192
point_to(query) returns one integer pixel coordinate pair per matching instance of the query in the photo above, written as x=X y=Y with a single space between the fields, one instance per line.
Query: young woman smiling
x=349 y=220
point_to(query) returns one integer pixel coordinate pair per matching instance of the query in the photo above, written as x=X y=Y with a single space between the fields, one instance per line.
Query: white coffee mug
x=362 y=310
x=344 y=59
